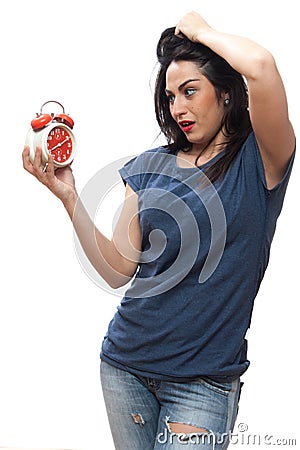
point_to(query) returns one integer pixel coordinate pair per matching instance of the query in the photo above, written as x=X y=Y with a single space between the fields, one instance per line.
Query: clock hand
x=58 y=145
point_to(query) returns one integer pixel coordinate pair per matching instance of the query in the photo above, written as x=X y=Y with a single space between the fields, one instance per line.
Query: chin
x=195 y=140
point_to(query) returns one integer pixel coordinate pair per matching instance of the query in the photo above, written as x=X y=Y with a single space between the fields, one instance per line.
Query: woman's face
x=193 y=103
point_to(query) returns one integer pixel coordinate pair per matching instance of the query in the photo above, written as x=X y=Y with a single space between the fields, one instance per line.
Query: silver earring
x=226 y=101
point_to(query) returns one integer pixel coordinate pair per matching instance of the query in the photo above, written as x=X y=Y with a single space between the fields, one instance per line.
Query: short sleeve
x=282 y=185
x=132 y=172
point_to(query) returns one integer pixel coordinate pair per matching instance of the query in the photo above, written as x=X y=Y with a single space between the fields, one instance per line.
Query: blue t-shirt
x=205 y=249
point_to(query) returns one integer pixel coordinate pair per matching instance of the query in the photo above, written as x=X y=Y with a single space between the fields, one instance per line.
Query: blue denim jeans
x=140 y=411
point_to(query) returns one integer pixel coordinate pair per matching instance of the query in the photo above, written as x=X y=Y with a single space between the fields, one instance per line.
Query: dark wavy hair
x=236 y=120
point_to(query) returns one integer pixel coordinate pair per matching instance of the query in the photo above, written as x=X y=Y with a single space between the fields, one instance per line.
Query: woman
x=194 y=234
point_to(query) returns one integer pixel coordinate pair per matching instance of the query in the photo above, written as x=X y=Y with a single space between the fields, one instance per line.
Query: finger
x=50 y=165
x=37 y=161
x=26 y=159
x=177 y=30
x=25 y=153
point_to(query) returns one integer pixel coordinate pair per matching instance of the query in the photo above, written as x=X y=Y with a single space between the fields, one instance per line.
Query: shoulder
x=133 y=171
x=162 y=150
x=149 y=158
x=247 y=154
x=148 y=154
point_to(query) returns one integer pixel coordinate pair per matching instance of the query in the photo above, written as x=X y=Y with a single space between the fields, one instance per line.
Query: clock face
x=60 y=144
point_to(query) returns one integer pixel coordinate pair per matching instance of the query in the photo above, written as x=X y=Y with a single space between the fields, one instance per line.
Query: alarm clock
x=53 y=133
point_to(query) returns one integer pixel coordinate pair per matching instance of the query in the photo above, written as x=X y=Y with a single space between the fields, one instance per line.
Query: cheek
x=172 y=113
x=212 y=109
x=171 y=109
x=205 y=104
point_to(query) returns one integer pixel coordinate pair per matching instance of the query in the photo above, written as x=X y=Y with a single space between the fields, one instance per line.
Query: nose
x=178 y=107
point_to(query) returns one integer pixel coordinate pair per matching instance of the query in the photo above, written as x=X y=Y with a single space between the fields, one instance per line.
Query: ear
x=225 y=98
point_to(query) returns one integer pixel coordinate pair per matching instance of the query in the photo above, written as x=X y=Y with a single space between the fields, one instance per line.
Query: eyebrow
x=185 y=83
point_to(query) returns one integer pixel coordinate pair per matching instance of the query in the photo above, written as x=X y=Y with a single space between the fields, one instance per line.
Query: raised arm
x=115 y=259
x=268 y=106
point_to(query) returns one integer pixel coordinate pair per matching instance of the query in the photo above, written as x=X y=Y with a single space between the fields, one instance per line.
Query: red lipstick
x=186 y=125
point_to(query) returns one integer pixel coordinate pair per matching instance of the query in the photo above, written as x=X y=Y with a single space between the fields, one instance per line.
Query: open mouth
x=186 y=125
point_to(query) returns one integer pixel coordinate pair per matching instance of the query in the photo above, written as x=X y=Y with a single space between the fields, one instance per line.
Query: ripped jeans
x=142 y=411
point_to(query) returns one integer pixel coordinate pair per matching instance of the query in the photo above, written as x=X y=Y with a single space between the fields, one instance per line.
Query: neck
x=209 y=149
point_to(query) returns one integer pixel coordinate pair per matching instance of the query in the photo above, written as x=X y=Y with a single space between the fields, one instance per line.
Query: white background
x=97 y=58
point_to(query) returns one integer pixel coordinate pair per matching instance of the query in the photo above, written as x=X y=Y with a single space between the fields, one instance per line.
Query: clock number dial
x=60 y=144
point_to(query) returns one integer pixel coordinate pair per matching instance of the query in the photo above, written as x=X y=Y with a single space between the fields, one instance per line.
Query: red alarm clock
x=53 y=133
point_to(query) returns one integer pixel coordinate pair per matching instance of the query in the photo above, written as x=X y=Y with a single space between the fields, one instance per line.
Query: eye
x=189 y=91
x=170 y=98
